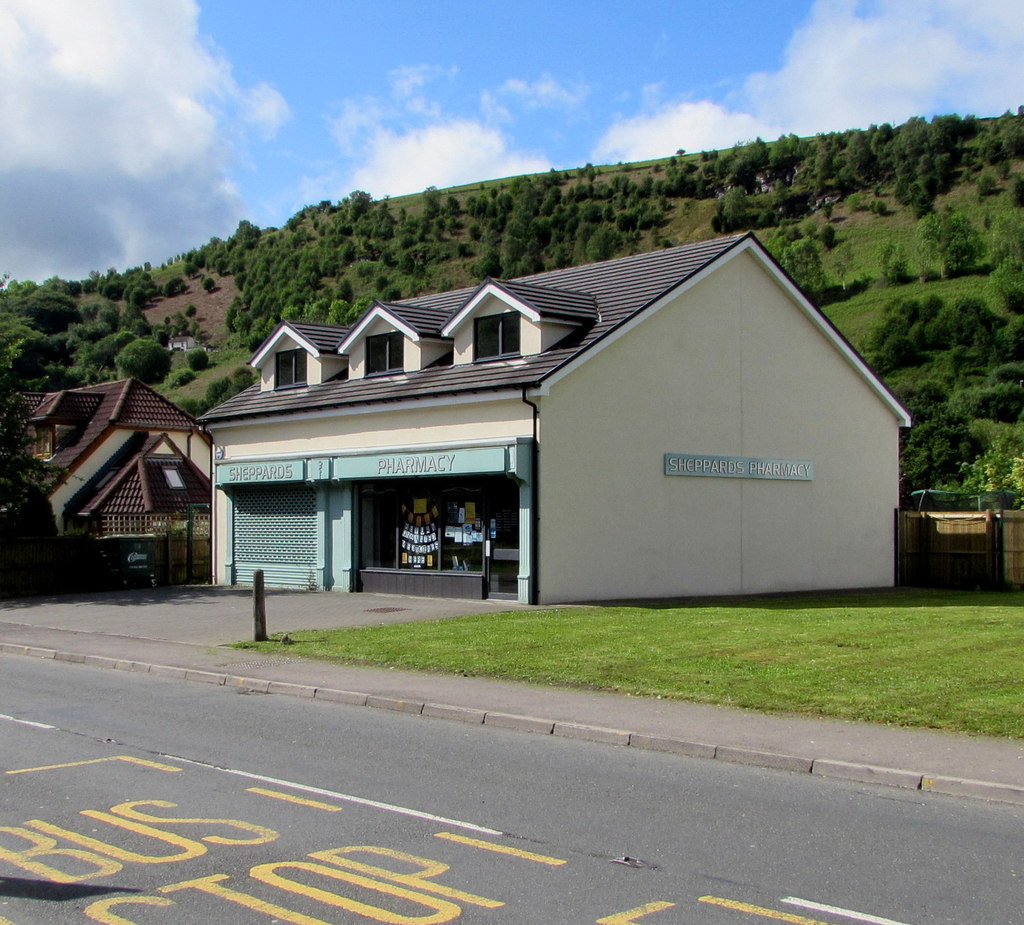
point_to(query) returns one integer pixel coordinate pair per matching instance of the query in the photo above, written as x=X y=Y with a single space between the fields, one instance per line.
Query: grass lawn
x=948 y=660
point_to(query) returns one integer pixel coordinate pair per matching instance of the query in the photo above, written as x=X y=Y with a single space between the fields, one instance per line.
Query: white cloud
x=444 y=154
x=855 y=63
x=851 y=64
x=265 y=108
x=545 y=92
x=696 y=126
x=114 y=120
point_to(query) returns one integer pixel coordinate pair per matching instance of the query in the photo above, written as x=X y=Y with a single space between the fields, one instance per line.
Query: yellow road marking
x=625 y=918
x=78 y=764
x=99 y=911
x=499 y=849
x=290 y=798
x=759 y=910
x=4 y=921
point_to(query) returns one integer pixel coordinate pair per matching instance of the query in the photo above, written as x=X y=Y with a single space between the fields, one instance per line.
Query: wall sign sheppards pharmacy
x=738 y=467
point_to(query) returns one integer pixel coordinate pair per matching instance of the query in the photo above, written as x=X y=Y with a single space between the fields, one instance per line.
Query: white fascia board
x=488 y=289
x=813 y=314
x=373 y=314
x=440 y=401
x=283 y=330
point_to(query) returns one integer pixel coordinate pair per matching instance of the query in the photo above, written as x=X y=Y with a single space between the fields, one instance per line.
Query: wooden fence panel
x=1013 y=548
x=62 y=565
x=960 y=549
x=42 y=565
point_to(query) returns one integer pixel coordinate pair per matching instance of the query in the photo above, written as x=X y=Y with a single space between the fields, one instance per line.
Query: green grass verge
x=947 y=660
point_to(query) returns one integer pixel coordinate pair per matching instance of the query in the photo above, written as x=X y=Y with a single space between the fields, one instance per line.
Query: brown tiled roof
x=617 y=290
x=140 y=487
x=126 y=403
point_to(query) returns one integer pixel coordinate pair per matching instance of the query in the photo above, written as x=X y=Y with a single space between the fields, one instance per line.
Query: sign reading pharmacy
x=738 y=467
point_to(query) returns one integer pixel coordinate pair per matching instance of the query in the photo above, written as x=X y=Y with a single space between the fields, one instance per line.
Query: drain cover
x=385 y=610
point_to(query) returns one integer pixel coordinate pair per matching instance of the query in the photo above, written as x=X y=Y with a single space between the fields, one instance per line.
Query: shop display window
x=430 y=526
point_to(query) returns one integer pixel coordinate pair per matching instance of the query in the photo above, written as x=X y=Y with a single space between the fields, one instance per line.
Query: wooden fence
x=67 y=564
x=983 y=549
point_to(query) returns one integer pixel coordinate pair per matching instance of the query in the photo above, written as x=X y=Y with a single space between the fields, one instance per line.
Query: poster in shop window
x=420 y=542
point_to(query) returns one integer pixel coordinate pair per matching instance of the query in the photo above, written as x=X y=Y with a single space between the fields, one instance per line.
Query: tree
x=23 y=478
x=950 y=237
x=197 y=359
x=144 y=359
x=1007 y=283
x=802 y=261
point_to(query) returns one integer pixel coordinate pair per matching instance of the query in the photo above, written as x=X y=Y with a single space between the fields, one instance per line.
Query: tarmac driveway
x=205 y=615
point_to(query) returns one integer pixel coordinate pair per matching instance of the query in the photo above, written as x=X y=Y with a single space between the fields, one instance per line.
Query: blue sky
x=136 y=129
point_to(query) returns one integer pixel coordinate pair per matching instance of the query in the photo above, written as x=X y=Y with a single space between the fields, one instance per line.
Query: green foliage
x=197 y=359
x=802 y=260
x=22 y=477
x=951 y=239
x=1006 y=283
x=1000 y=467
x=179 y=378
x=143 y=359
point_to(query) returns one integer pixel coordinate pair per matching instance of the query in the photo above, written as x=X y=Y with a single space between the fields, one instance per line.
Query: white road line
x=373 y=804
x=25 y=722
x=835 y=910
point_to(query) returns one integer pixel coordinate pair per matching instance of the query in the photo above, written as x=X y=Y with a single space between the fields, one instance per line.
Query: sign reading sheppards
x=292 y=470
x=738 y=467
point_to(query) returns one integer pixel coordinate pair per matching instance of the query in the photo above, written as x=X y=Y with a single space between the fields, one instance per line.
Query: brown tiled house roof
x=141 y=485
x=127 y=404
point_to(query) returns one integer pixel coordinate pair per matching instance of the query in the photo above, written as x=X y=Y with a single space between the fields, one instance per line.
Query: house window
x=174 y=479
x=42 y=442
x=291 y=368
x=385 y=353
x=496 y=335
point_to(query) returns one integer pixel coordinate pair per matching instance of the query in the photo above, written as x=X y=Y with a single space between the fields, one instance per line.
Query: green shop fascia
x=452 y=521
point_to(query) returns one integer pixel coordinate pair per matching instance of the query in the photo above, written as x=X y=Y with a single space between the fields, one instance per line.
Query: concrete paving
x=186 y=632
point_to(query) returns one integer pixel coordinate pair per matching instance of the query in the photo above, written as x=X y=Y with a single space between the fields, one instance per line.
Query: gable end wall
x=731 y=367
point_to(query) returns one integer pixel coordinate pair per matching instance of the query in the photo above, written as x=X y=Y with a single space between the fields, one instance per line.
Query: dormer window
x=496 y=336
x=291 y=368
x=43 y=442
x=385 y=353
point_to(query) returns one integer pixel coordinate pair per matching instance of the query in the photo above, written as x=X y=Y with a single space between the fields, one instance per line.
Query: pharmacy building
x=679 y=422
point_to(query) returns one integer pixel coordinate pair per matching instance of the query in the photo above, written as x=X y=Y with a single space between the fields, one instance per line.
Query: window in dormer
x=385 y=353
x=291 y=368
x=42 y=443
x=496 y=335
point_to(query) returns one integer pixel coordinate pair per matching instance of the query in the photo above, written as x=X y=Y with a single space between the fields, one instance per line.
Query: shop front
x=444 y=522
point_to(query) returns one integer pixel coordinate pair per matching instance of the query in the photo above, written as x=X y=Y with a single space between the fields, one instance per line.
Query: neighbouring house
x=679 y=422
x=130 y=461
x=181 y=342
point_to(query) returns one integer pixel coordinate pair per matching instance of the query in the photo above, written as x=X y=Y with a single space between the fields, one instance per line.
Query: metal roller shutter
x=275 y=529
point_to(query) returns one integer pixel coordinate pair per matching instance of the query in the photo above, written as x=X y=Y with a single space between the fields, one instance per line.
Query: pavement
x=186 y=632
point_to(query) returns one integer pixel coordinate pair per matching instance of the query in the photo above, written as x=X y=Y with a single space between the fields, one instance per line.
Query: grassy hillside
x=910 y=237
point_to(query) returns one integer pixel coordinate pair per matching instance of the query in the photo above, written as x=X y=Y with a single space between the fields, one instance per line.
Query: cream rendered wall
x=731 y=368
x=536 y=337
